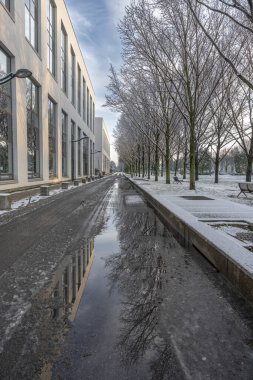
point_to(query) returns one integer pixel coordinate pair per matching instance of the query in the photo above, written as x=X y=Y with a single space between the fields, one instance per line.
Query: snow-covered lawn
x=227 y=188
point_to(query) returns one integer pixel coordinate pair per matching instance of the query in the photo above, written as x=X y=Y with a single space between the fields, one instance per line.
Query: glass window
x=84 y=100
x=64 y=119
x=79 y=152
x=33 y=133
x=51 y=41
x=88 y=107
x=64 y=60
x=72 y=81
x=79 y=90
x=85 y=156
x=73 y=128
x=31 y=22
x=6 y=3
x=93 y=117
x=52 y=137
x=6 y=146
x=90 y=113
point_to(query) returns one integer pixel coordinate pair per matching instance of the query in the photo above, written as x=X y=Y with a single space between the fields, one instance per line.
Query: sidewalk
x=219 y=228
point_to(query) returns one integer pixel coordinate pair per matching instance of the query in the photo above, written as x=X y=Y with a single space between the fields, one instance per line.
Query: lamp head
x=23 y=73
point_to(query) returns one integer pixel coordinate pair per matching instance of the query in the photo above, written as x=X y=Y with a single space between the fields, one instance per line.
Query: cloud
x=116 y=9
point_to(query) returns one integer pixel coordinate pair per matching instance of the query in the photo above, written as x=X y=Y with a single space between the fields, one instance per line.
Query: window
x=51 y=41
x=79 y=90
x=52 y=137
x=64 y=60
x=64 y=123
x=31 y=22
x=6 y=3
x=88 y=107
x=73 y=128
x=84 y=100
x=79 y=152
x=6 y=147
x=85 y=156
x=33 y=133
x=93 y=117
x=90 y=113
x=72 y=80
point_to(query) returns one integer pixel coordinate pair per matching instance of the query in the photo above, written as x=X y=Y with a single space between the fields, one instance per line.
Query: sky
x=95 y=23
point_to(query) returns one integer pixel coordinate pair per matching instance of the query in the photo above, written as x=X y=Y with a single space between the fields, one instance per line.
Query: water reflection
x=70 y=281
x=138 y=271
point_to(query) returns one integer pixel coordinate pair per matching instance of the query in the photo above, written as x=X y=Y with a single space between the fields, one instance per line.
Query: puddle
x=151 y=309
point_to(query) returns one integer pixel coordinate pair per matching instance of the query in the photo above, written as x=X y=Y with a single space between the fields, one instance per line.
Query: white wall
x=14 y=42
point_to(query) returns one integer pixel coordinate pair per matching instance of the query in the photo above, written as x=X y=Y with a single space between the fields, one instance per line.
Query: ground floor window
x=79 y=151
x=64 y=119
x=52 y=137
x=6 y=146
x=85 y=156
x=33 y=132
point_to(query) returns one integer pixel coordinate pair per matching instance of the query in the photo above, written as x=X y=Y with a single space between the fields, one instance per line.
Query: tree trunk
x=156 y=161
x=167 y=160
x=162 y=166
x=249 y=165
x=192 y=159
x=149 y=160
x=196 y=165
x=217 y=164
x=143 y=162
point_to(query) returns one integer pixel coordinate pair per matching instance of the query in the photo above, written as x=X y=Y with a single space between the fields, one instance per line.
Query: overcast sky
x=95 y=23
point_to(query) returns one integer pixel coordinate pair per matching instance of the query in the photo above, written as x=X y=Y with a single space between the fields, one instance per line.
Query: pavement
x=220 y=229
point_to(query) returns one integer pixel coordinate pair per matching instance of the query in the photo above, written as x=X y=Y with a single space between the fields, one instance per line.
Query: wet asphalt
x=105 y=291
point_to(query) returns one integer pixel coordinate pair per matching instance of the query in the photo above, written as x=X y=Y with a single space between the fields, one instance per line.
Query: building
x=102 y=147
x=46 y=121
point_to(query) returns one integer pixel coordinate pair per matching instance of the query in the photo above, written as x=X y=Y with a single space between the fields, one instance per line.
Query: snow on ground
x=227 y=188
x=34 y=198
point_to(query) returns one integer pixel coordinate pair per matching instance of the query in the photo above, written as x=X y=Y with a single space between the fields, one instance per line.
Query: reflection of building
x=40 y=116
x=71 y=281
x=102 y=146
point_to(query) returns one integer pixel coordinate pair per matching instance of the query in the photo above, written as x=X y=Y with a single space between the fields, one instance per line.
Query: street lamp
x=72 y=148
x=21 y=73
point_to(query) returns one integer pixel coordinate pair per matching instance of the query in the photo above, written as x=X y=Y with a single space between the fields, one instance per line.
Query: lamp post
x=72 y=148
x=21 y=73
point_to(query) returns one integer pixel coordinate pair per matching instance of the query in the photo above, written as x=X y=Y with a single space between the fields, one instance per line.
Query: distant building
x=40 y=116
x=102 y=147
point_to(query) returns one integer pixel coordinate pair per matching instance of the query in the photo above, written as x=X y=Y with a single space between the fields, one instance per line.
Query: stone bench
x=5 y=201
x=65 y=185
x=44 y=190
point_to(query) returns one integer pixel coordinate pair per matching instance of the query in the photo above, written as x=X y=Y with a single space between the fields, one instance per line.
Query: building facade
x=47 y=121
x=102 y=147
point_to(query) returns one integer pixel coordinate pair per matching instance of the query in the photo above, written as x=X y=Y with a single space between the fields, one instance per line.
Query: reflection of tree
x=4 y=127
x=138 y=270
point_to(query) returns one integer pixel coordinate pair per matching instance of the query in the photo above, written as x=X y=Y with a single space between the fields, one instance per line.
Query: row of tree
x=184 y=88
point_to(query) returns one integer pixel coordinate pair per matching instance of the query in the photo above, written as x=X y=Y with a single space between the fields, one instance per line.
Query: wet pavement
x=153 y=309
x=126 y=302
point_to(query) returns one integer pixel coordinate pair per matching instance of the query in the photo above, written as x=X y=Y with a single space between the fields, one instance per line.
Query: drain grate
x=196 y=198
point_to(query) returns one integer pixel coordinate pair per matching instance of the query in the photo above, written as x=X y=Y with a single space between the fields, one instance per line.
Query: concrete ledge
x=44 y=190
x=228 y=256
x=65 y=185
x=5 y=201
